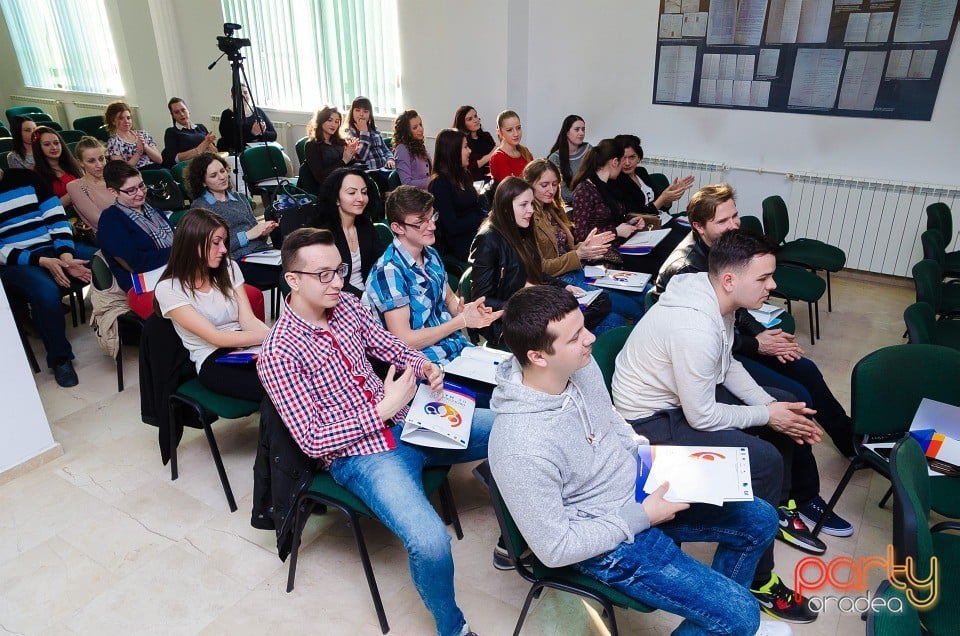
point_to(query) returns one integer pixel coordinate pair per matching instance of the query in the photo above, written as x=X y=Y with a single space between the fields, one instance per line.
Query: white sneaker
x=773 y=628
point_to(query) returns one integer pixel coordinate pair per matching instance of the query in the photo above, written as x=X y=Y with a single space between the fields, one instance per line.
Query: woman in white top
x=202 y=292
x=89 y=193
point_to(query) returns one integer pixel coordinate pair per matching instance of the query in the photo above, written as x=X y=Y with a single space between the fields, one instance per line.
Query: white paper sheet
x=759 y=94
x=924 y=20
x=671 y=6
x=898 y=64
x=477 y=363
x=816 y=76
x=725 y=92
x=767 y=63
x=671 y=26
x=784 y=22
x=814 y=21
x=921 y=64
x=857 y=24
x=697 y=474
x=879 y=28
x=646 y=239
x=695 y=25
x=723 y=16
x=741 y=93
x=745 y=64
x=708 y=91
x=266 y=257
x=728 y=67
x=675 y=73
x=689 y=6
x=748 y=27
x=443 y=422
x=861 y=80
x=710 y=67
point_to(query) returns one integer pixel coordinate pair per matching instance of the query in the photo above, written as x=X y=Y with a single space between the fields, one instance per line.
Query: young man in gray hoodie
x=566 y=465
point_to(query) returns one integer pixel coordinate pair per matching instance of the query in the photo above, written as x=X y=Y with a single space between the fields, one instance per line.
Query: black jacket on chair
x=162 y=364
x=281 y=473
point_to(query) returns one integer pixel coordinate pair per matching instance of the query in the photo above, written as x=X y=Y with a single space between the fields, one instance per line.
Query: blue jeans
x=714 y=600
x=35 y=285
x=390 y=484
x=629 y=305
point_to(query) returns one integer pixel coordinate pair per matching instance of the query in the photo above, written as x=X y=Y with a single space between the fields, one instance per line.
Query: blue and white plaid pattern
x=372 y=151
x=396 y=280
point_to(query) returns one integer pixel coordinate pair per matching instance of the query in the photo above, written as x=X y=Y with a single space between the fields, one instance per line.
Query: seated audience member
x=408 y=284
x=54 y=163
x=633 y=187
x=38 y=259
x=771 y=356
x=371 y=150
x=314 y=366
x=677 y=382
x=344 y=211
x=572 y=494
x=89 y=194
x=325 y=149
x=510 y=157
x=134 y=236
x=21 y=131
x=255 y=126
x=413 y=162
x=185 y=140
x=202 y=292
x=455 y=198
x=594 y=205
x=559 y=255
x=136 y=147
x=481 y=142
x=505 y=258
x=208 y=180
x=568 y=150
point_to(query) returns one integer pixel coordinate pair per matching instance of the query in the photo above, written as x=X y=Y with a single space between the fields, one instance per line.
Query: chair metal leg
x=120 y=369
x=449 y=508
x=27 y=349
x=611 y=617
x=534 y=592
x=305 y=507
x=219 y=462
x=829 y=294
x=81 y=305
x=813 y=339
x=73 y=308
x=816 y=311
x=368 y=571
x=852 y=468
x=173 y=441
x=886 y=497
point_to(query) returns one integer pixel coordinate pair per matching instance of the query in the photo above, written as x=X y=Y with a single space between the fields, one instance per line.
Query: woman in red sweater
x=510 y=157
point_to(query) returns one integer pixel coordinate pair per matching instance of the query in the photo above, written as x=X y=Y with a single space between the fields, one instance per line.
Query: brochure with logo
x=936 y=427
x=615 y=279
x=643 y=242
x=697 y=474
x=477 y=363
x=248 y=355
x=767 y=315
x=440 y=422
x=266 y=257
x=588 y=298
x=146 y=281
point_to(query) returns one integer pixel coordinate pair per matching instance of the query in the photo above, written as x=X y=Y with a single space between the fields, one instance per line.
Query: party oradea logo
x=445 y=411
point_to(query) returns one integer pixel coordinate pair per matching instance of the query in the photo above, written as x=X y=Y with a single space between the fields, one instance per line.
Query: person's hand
x=140 y=146
x=361 y=123
x=209 y=143
x=790 y=418
x=57 y=270
x=257 y=129
x=658 y=509
x=350 y=150
x=433 y=373
x=261 y=229
x=626 y=230
x=398 y=390
x=677 y=188
x=638 y=222
x=595 y=245
x=779 y=343
x=576 y=291
x=476 y=315
x=391 y=164
x=77 y=269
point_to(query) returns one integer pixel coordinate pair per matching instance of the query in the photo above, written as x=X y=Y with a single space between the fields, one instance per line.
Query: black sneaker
x=501 y=559
x=65 y=375
x=835 y=525
x=779 y=601
x=792 y=530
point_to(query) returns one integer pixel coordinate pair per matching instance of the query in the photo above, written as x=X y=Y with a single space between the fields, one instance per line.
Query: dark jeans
x=808 y=385
x=772 y=455
x=35 y=285
x=233 y=380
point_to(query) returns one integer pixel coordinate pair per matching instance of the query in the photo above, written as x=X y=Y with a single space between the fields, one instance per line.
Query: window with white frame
x=64 y=45
x=307 y=53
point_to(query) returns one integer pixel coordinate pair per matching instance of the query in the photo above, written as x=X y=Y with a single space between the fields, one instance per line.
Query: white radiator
x=703 y=172
x=52 y=107
x=877 y=223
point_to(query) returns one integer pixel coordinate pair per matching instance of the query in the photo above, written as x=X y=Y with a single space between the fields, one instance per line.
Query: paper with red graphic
x=697 y=474
x=440 y=422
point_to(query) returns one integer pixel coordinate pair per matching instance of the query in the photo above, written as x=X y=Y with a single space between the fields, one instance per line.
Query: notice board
x=851 y=58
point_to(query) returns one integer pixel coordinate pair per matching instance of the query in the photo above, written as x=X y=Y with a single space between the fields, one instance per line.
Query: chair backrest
x=933 y=247
x=927 y=279
x=650 y=299
x=660 y=182
x=306 y=181
x=89 y=125
x=940 y=218
x=888 y=385
x=751 y=224
x=6 y=144
x=259 y=163
x=606 y=348
x=102 y=276
x=393 y=181
x=72 y=136
x=884 y=620
x=776 y=221
x=513 y=541
x=301 y=152
x=921 y=323
x=384 y=233
x=465 y=286
x=911 y=506
x=4 y=131
x=19 y=111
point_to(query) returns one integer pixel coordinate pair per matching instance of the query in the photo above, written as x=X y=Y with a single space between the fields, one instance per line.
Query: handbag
x=596 y=311
x=165 y=195
x=293 y=208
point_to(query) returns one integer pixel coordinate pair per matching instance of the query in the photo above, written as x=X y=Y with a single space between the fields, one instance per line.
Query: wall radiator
x=52 y=107
x=877 y=223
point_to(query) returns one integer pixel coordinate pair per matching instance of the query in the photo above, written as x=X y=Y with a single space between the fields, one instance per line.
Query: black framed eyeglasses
x=326 y=275
x=419 y=225
x=141 y=187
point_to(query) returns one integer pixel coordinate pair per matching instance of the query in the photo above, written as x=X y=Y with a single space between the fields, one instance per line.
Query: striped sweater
x=32 y=221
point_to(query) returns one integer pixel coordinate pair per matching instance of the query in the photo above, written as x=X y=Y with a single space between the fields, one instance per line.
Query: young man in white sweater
x=676 y=382
x=566 y=465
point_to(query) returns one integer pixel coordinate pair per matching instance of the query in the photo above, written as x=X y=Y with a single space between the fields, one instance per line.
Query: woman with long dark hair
x=634 y=188
x=568 y=150
x=455 y=199
x=362 y=126
x=202 y=292
x=54 y=163
x=594 y=205
x=255 y=126
x=413 y=162
x=326 y=150
x=21 y=131
x=344 y=210
x=481 y=143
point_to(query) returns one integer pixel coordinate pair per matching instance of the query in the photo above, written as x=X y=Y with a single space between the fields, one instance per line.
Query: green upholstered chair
x=384 y=233
x=196 y=406
x=393 y=181
x=6 y=144
x=940 y=219
x=884 y=620
x=605 y=350
x=301 y=152
x=887 y=387
x=72 y=136
x=934 y=250
x=455 y=269
x=923 y=327
x=928 y=281
x=306 y=181
x=20 y=111
x=325 y=492
x=90 y=125
x=564 y=579
x=794 y=283
x=4 y=131
x=129 y=325
x=808 y=253
x=262 y=166
x=660 y=182
x=914 y=539
x=465 y=285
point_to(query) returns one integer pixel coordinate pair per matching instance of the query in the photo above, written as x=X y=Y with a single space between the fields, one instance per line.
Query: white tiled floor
x=100 y=541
